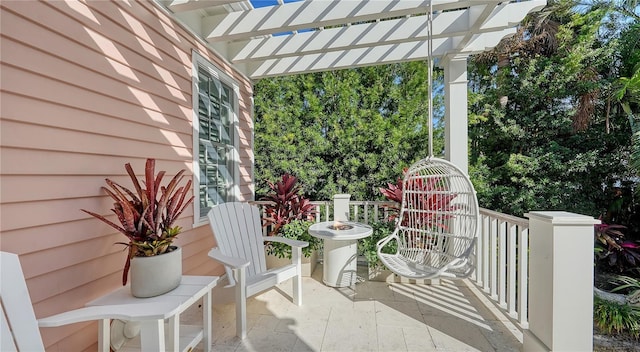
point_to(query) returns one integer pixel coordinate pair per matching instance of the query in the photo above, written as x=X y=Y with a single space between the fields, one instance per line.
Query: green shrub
x=296 y=230
x=614 y=318
x=367 y=245
x=630 y=286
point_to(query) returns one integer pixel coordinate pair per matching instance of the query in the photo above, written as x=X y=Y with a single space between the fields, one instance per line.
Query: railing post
x=341 y=207
x=560 y=282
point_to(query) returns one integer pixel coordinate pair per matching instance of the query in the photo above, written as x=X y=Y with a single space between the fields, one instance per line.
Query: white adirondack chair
x=19 y=328
x=238 y=232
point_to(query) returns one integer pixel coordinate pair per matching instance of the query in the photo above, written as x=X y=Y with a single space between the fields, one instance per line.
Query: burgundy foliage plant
x=286 y=204
x=146 y=215
x=428 y=197
x=617 y=253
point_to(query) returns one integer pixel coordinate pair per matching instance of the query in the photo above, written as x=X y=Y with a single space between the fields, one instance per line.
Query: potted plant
x=147 y=217
x=289 y=214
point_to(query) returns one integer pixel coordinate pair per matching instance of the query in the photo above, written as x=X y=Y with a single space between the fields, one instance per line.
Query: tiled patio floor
x=376 y=316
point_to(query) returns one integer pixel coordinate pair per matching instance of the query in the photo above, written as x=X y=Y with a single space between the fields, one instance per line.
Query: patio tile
x=350 y=329
x=500 y=339
x=391 y=338
x=366 y=306
x=418 y=339
x=310 y=333
x=263 y=340
x=398 y=314
x=308 y=324
x=369 y=316
x=308 y=312
x=454 y=334
x=374 y=291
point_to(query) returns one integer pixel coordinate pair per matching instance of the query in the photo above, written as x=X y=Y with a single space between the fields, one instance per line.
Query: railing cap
x=562 y=218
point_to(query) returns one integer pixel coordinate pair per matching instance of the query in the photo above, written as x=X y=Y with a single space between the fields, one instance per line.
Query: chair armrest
x=382 y=242
x=287 y=241
x=233 y=262
x=141 y=311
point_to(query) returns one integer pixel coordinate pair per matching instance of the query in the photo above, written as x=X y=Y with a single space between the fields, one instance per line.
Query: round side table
x=340 y=250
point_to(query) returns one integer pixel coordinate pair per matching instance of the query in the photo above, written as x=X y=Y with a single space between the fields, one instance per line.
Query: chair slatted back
x=237 y=229
x=19 y=325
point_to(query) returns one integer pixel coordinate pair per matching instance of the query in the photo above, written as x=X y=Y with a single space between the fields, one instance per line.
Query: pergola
x=294 y=37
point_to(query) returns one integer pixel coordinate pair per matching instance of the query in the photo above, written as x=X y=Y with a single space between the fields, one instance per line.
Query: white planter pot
x=153 y=276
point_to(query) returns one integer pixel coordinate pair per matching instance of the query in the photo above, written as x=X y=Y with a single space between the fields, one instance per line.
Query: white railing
x=361 y=211
x=502 y=262
x=501 y=252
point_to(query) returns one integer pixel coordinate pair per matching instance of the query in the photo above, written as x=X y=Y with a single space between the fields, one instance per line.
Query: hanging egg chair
x=436 y=229
x=437 y=225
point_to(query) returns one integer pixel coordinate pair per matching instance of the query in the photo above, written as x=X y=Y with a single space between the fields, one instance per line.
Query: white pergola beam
x=500 y=16
x=315 y=14
x=514 y=13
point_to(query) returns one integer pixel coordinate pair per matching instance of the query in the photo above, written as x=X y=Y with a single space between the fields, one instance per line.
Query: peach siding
x=85 y=88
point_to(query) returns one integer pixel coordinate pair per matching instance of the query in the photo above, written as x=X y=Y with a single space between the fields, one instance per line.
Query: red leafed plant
x=428 y=196
x=286 y=204
x=146 y=219
x=614 y=252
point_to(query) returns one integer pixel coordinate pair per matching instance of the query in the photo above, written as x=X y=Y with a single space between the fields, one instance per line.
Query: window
x=215 y=105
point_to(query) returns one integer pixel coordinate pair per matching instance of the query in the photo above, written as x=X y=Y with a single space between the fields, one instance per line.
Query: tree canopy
x=546 y=130
x=348 y=131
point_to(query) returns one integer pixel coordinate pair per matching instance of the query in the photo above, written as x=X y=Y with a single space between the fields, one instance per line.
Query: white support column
x=560 y=282
x=341 y=207
x=340 y=256
x=455 y=97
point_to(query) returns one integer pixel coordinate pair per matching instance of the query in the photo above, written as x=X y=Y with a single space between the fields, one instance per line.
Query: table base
x=340 y=263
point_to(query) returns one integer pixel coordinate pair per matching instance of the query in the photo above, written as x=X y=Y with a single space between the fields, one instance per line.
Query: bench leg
x=104 y=335
x=173 y=337
x=152 y=335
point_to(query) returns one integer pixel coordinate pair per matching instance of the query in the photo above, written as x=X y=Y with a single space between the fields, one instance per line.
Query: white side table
x=168 y=306
x=340 y=250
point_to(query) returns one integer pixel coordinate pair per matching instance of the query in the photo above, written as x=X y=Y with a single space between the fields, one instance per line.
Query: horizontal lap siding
x=87 y=87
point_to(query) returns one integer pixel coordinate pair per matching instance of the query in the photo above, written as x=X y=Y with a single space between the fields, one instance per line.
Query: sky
x=263 y=3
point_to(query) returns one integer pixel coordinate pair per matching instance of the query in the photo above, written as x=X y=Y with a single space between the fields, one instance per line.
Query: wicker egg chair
x=437 y=226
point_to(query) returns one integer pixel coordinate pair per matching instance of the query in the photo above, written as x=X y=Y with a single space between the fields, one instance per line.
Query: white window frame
x=233 y=189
